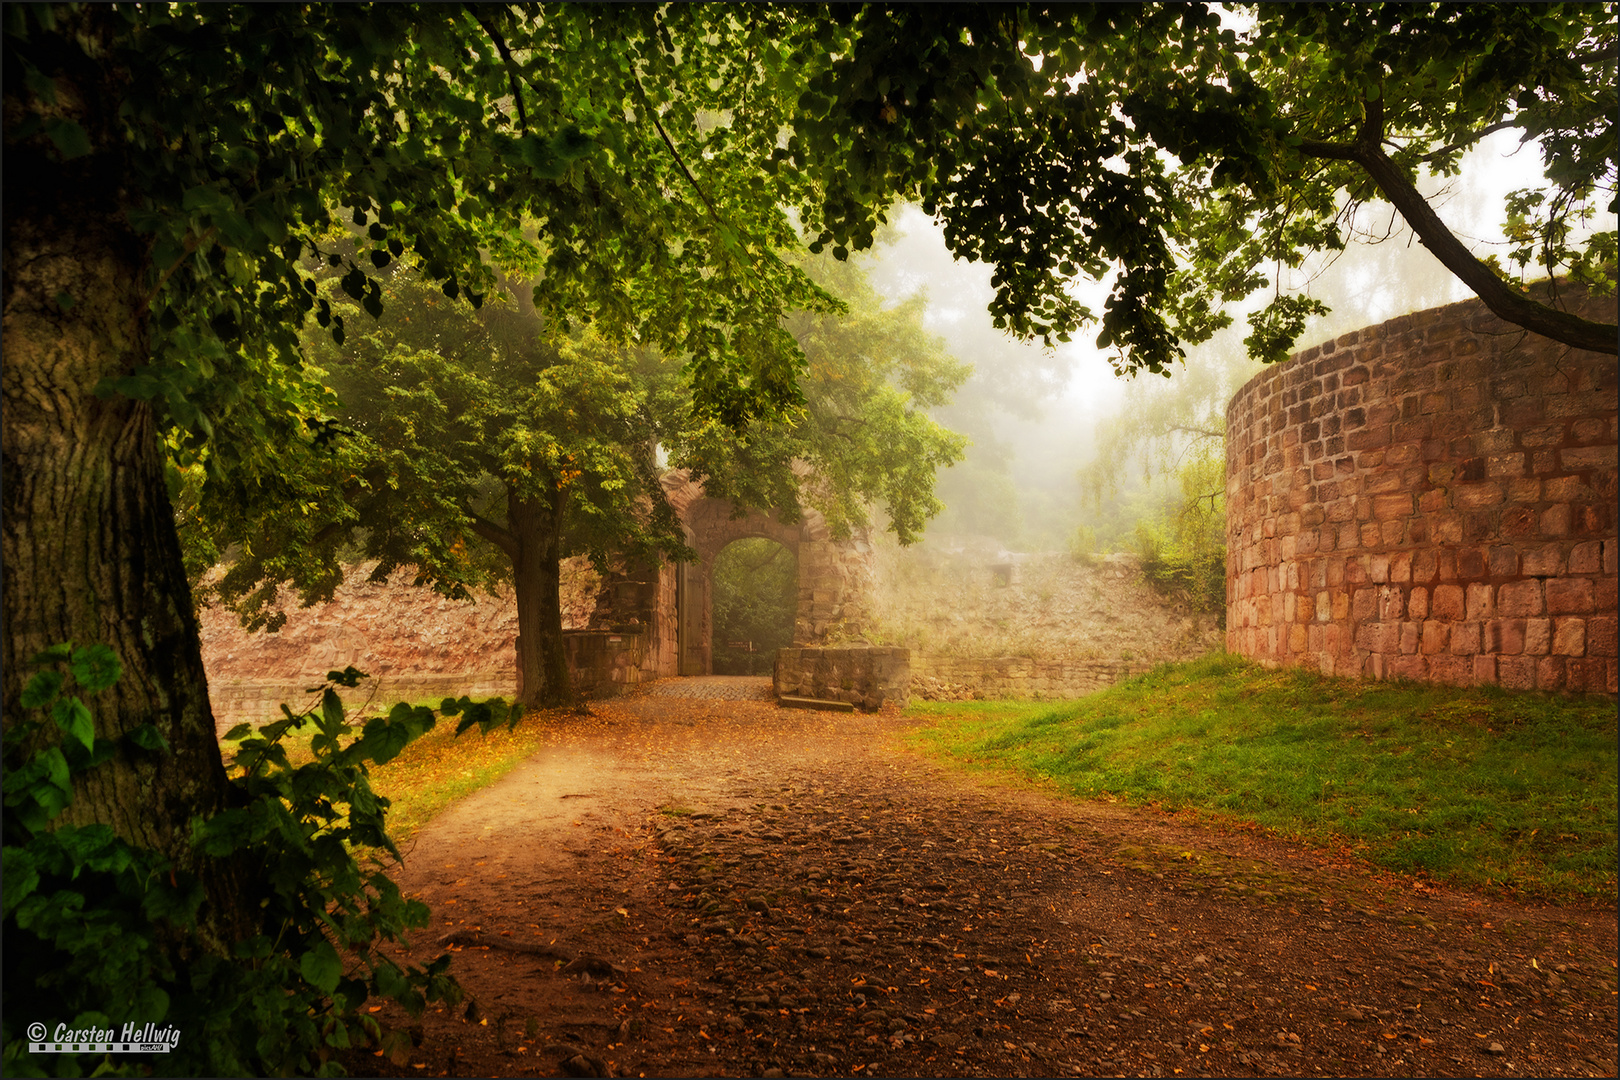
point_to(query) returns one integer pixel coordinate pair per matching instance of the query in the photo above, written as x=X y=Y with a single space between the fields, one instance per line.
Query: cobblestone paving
x=716 y=687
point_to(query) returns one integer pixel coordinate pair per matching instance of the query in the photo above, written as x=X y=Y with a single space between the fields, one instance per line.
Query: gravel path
x=685 y=886
x=716 y=688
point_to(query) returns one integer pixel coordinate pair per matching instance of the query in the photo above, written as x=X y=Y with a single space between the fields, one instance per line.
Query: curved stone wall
x=1432 y=498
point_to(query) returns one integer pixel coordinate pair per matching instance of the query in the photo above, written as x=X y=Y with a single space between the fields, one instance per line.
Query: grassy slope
x=1477 y=787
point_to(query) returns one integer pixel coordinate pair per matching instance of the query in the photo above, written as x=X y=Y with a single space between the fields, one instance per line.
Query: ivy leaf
x=95 y=668
x=74 y=719
x=42 y=689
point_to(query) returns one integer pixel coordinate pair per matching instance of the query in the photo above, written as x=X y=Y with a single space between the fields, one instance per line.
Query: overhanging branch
x=1503 y=300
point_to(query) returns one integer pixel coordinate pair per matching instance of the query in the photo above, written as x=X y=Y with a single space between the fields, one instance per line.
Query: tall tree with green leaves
x=170 y=168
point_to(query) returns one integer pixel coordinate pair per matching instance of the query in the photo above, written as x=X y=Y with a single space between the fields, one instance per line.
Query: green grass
x=436 y=769
x=1483 y=788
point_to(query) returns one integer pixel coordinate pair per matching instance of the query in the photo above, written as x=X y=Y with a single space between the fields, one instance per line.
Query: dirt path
x=686 y=885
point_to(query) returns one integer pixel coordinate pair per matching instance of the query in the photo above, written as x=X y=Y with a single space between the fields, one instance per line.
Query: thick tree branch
x=492 y=532
x=1503 y=300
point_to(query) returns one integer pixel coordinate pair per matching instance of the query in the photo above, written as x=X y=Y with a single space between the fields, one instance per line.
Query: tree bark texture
x=89 y=543
x=536 y=528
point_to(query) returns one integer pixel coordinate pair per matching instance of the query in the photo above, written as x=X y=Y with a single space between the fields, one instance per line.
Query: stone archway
x=834 y=575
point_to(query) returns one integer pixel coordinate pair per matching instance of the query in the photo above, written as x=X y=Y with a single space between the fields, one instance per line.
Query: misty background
x=1065 y=455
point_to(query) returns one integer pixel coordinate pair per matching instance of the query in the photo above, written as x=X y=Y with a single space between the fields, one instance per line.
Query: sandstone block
x=1465 y=638
x=1569 y=637
x=1521 y=598
x=1448 y=602
x=1601 y=634
x=1569 y=596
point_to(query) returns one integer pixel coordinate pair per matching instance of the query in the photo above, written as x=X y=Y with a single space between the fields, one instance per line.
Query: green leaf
x=354 y=283
x=63 y=651
x=96 y=668
x=331 y=711
x=70 y=139
x=18 y=875
x=148 y=737
x=321 y=967
x=42 y=689
x=74 y=719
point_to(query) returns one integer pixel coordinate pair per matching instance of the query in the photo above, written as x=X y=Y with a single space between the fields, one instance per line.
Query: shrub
x=100 y=933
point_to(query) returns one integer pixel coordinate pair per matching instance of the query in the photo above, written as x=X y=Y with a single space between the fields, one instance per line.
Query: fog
x=1033 y=414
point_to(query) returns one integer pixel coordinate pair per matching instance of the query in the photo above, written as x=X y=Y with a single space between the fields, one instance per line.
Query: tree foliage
x=1191 y=163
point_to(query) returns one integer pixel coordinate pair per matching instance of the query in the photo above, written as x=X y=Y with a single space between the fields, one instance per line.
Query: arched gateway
x=655 y=621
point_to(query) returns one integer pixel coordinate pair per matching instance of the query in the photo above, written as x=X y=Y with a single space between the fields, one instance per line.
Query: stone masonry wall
x=967 y=678
x=865 y=676
x=1432 y=498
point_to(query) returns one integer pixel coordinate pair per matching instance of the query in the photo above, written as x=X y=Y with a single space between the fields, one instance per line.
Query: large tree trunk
x=89 y=543
x=536 y=529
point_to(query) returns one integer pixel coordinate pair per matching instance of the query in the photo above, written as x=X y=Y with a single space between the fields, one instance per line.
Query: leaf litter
x=685 y=886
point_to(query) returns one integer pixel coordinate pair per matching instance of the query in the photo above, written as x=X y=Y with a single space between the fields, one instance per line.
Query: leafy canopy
x=1190 y=163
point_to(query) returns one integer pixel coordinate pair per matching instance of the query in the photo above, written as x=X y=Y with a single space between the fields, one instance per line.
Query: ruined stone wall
x=1432 y=498
x=865 y=676
x=969 y=678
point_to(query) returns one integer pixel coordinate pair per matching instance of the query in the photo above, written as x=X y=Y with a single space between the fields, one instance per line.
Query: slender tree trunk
x=88 y=537
x=536 y=528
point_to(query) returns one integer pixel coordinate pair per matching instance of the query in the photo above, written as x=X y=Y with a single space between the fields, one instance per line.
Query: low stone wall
x=865 y=676
x=955 y=678
x=258 y=701
x=602 y=663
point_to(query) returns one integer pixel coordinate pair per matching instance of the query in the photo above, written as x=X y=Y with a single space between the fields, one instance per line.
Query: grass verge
x=1478 y=787
x=438 y=768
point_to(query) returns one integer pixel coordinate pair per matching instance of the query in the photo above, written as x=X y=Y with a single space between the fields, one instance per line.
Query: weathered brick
x=1417 y=602
x=1537 y=637
x=1505 y=637
x=1481 y=600
x=1601 y=635
x=1555 y=520
x=1448 y=602
x=1569 y=637
x=1474 y=496
x=1525 y=489
x=1503 y=561
x=1516 y=672
x=1517 y=599
x=1586 y=457
x=1586 y=675
x=1436 y=636
x=1465 y=638
x=1501 y=466
x=1545 y=560
x=1550 y=673
x=1569 y=596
